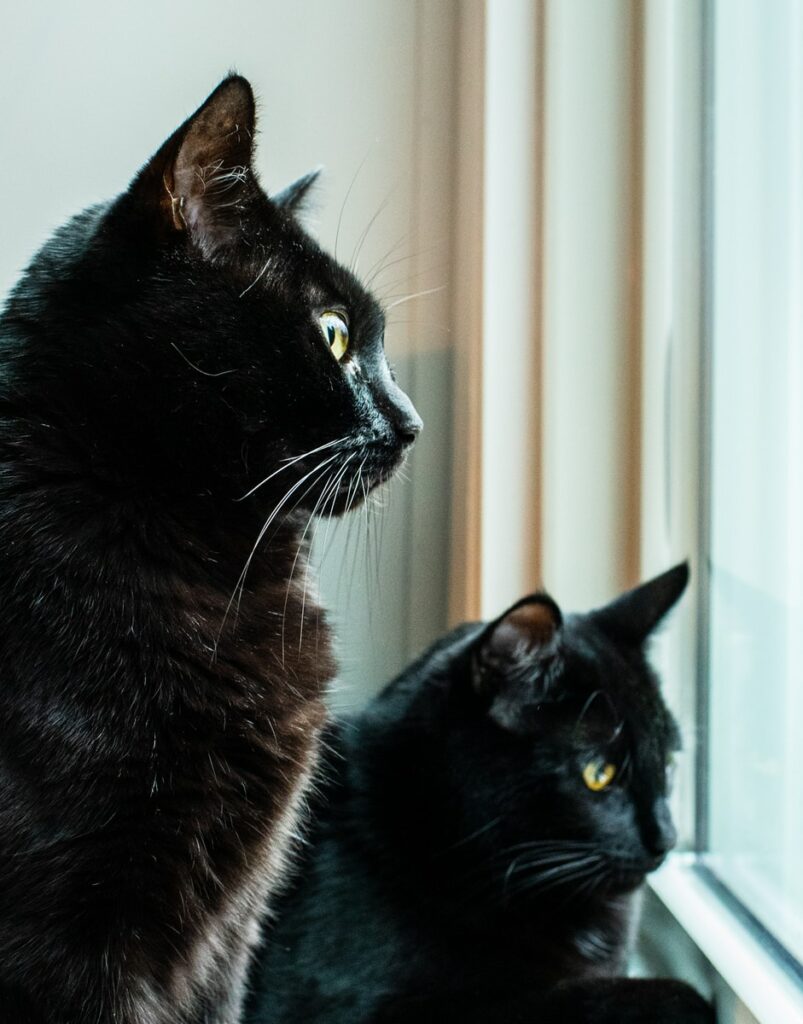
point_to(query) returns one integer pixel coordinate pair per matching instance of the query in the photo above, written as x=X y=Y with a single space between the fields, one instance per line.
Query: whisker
x=358 y=532
x=429 y=324
x=240 y=584
x=381 y=265
x=552 y=862
x=346 y=197
x=577 y=845
x=310 y=518
x=328 y=516
x=361 y=240
x=291 y=461
x=429 y=268
x=258 y=278
x=426 y=270
x=552 y=876
x=415 y=295
x=334 y=492
x=477 y=832
x=206 y=373
x=350 y=533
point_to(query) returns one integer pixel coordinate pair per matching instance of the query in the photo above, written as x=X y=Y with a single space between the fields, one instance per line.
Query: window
x=722 y=475
x=752 y=796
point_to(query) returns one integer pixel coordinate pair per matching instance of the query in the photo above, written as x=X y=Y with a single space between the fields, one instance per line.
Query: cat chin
x=623 y=881
x=371 y=471
x=351 y=496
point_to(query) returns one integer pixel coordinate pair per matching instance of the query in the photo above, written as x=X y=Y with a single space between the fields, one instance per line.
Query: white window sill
x=770 y=992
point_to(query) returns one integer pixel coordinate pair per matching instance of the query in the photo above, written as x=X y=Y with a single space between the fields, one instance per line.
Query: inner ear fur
x=200 y=176
x=524 y=635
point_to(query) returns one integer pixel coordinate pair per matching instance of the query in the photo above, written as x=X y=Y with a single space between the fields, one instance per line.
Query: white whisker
x=310 y=518
x=240 y=584
x=291 y=461
x=205 y=373
x=257 y=278
x=333 y=494
x=415 y=295
x=346 y=197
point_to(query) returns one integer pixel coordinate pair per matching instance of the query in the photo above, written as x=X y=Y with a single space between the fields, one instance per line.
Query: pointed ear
x=523 y=638
x=294 y=197
x=633 y=616
x=198 y=180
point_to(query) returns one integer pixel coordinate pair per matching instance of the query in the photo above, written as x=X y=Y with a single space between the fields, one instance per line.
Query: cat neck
x=210 y=560
x=40 y=460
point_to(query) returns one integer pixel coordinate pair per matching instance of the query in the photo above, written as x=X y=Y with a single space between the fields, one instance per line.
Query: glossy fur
x=162 y=652
x=460 y=869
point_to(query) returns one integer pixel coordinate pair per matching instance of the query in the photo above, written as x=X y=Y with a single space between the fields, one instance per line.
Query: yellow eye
x=336 y=333
x=597 y=774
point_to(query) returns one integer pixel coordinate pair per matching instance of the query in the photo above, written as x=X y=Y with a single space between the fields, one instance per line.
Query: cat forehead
x=601 y=659
x=275 y=254
x=607 y=681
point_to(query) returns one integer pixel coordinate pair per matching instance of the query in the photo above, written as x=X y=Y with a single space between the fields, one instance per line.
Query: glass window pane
x=756 y=542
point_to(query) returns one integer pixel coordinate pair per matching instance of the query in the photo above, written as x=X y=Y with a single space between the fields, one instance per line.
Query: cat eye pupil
x=336 y=332
x=598 y=774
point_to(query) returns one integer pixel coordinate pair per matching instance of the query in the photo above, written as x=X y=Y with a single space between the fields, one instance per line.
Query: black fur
x=159 y=705
x=460 y=869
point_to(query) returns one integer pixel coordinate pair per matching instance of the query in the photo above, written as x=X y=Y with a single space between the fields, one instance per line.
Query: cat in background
x=485 y=826
x=186 y=379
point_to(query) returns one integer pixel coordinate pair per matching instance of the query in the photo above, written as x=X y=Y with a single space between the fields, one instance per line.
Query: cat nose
x=655 y=862
x=662 y=834
x=409 y=427
x=404 y=419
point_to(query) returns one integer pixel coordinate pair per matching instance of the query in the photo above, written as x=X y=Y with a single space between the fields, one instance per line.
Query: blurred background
x=586 y=220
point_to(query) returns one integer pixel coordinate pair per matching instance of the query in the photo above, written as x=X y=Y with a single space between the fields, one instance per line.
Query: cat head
x=555 y=742
x=192 y=330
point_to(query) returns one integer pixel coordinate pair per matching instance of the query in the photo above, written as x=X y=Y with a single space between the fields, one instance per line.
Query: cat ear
x=525 y=637
x=199 y=178
x=293 y=197
x=633 y=616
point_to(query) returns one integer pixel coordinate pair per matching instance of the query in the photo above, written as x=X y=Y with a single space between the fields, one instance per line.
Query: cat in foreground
x=186 y=379
x=484 y=828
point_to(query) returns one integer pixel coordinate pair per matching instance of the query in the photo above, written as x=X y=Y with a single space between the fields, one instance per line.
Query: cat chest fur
x=162 y=762
x=235 y=768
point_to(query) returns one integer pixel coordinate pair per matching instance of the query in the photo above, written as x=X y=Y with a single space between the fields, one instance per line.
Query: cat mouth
x=345 y=480
x=627 y=881
x=368 y=472
x=627 y=876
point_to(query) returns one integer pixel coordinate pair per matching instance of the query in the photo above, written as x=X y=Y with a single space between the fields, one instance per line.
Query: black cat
x=185 y=378
x=486 y=823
